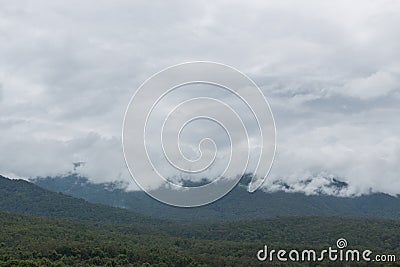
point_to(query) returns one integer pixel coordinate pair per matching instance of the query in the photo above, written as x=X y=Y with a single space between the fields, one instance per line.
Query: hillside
x=22 y=197
x=38 y=241
x=237 y=205
x=104 y=236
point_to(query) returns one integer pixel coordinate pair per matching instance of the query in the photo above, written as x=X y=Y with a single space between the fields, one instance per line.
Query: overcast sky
x=330 y=71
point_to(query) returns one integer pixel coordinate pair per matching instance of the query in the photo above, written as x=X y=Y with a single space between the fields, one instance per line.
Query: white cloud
x=379 y=84
x=329 y=69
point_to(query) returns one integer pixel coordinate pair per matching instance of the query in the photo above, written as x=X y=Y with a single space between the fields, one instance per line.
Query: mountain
x=78 y=233
x=23 y=197
x=238 y=204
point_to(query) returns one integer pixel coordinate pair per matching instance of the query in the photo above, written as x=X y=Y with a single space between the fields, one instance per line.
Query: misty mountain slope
x=238 y=204
x=22 y=197
x=293 y=229
x=35 y=241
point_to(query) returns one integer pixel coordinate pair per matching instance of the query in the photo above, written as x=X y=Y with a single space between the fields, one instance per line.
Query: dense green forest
x=64 y=231
x=38 y=241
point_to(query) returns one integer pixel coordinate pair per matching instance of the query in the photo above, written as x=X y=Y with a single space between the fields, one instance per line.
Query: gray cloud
x=330 y=71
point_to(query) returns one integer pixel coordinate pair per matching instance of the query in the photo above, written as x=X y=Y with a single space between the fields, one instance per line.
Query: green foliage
x=39 y=241
x=78 y=233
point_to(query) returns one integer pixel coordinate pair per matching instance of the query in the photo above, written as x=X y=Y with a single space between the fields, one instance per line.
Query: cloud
x=379 y=84
x=329 y=70
x=361 y=156
x=25 y=157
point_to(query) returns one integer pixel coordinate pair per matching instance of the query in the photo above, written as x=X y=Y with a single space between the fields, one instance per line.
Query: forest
x=27 y=240
x=44 y=228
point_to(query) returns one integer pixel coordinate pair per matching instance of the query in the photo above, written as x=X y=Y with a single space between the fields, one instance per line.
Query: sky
x=329 y=70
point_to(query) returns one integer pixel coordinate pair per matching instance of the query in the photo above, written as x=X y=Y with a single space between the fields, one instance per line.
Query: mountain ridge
x=237 y=205
x=23 y=197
